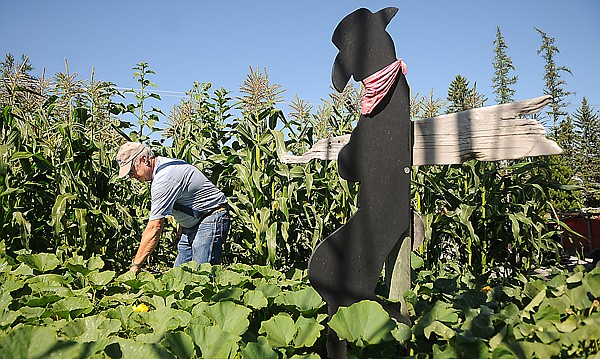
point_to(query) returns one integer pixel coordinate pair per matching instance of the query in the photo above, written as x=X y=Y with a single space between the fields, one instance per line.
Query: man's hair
x=145 y=152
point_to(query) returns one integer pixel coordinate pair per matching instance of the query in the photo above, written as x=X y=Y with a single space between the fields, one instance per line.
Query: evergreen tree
x=566 y=138
x=458 y=95
x=554 y=83
x=461 y=97
x=587 y=152
x=562 y=170
x=502 y=82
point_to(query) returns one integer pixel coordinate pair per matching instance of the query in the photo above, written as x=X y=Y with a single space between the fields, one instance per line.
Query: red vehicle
x=587 y=225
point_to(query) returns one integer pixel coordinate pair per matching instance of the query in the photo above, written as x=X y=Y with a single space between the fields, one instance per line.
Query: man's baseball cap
x=127 y=153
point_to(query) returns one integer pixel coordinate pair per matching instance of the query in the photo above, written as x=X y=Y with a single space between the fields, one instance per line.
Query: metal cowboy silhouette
x=346 y=266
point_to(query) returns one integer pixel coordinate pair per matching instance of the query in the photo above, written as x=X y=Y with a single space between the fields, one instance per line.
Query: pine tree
x=561 y=170
x=458 y=95
x=461 y=97
x=587 y=152
x=566 y=138
x=554 y=83
x=502 y=82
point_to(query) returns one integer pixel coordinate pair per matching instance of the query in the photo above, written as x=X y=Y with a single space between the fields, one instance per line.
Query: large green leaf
x=100 y=279
x=164 y=319
x=135 y=281
x=10 y=283
x=280 y=330
x=94 y=263
x=175 y=279
x=180 y=344
x=259 y=349
x=42 y=262
x=228 y=294
x=130 y=348
x=213 y=341
x=526 y=350
x=509 y=314
x=121 y=313
x=32 y=314
x=568 y=325
x=441 y=312
x=27 y=342
x=255 y=299
x=546 y=317
x=444 y=352
x=230 y=317
x=269 y=290
x=76 y=264
x=470 y=348
x=478 y=322
x=306 y=300
x=541 y=295
x=363 y=323
x=226 y=278
x=504 y=352
x=91 y=328
x=72 y=307
x=308 y=331
x=59 y=210
x=440 y=329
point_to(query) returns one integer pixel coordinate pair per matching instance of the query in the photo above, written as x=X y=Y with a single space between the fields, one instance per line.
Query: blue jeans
x=204 y=242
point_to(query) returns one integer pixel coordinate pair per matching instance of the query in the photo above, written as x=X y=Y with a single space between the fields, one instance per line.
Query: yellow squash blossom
x=140 y=308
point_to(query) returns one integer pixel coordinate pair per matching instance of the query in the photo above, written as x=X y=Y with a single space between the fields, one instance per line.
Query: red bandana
x=378 y=85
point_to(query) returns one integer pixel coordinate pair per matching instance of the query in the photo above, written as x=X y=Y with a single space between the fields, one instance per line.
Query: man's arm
x=149 y=241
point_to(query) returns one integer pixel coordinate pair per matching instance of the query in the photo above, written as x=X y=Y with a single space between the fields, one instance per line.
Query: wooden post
x=398 y=273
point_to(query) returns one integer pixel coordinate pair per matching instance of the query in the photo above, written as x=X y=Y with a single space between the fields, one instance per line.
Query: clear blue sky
x=217 y=41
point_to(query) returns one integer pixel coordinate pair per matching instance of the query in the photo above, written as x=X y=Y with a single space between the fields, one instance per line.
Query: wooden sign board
x=489 y=133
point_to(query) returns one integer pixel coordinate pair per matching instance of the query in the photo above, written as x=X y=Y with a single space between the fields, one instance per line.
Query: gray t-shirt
x=174 y=181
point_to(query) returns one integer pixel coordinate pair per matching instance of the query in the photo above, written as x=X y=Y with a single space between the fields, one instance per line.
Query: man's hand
x=135 y=267
x=178 y=234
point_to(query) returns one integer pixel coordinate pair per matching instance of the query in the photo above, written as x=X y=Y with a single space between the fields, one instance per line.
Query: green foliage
x=562 y=169
x=75 y=308
x=463 y=97
x=502 y=82
x=364 y=323
x=531 y=318
x=146 y=119
x=186 y=312
x=425 y=106
x=554 y=83
x=279 y=211
x=63 y=160
x=564 y=191
x=586 y=152
x=488 y=217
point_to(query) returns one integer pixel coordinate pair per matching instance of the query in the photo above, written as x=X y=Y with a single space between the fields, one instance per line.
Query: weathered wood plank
x=487 y=134
x=398 y=273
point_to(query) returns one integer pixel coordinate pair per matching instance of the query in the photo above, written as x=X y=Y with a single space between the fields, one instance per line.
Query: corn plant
x=58 y=175
x=488 y=217
x=279 y=211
